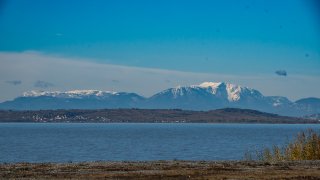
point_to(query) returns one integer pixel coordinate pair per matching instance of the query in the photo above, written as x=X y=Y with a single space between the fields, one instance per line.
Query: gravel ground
x=163 y=170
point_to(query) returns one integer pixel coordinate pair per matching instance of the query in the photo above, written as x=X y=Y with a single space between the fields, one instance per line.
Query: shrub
x=305 y=146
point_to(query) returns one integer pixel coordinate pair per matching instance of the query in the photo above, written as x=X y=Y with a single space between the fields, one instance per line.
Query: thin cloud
x=14 y=82
x=281 y=73
x=70 y=74
x=43 y=84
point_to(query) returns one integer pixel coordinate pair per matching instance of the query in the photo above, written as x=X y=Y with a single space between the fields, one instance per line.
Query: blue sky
x=227 y=37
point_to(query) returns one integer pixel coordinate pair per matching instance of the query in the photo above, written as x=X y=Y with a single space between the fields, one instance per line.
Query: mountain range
x=206 y=96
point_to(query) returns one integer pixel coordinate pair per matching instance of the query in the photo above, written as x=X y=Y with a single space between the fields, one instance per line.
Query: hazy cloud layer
x=43 y=84
x=115 y=81
x=69 y=74
x=14 y=82
x=281 y=73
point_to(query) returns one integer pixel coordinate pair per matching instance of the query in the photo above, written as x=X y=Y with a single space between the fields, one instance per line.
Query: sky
x=145 y=46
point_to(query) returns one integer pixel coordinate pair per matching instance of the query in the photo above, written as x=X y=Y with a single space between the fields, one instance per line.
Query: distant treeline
x=228 y=115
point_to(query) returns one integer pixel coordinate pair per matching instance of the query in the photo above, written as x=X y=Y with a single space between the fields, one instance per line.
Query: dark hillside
x=228 y=115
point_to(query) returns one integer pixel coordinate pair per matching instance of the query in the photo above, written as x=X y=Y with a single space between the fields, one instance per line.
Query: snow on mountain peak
x=180 y=90
x=32 y=93
x=89 y=92
x=233 y=91
x=210 y=84
x=68 y=94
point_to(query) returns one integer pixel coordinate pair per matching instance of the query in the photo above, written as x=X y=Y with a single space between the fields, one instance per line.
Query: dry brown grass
x=305 y=146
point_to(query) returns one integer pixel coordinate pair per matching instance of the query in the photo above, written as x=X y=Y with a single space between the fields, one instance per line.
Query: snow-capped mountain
x=209 y=95
x=70 y=94
x=191 y=97
x=230 y=91
x=76 y=99
x=205 y=96
x=213 y=95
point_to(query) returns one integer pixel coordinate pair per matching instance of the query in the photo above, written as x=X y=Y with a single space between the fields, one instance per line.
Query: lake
x=65 y=142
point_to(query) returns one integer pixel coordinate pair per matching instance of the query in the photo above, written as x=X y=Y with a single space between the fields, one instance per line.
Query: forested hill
x=228 y=115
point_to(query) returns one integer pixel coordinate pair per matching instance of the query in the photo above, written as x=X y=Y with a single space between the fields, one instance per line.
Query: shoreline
x=245 y=123
x=227 y=115
x=163 y=169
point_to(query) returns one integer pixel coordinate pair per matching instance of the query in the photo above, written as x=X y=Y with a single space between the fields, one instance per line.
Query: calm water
x=92 y=142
